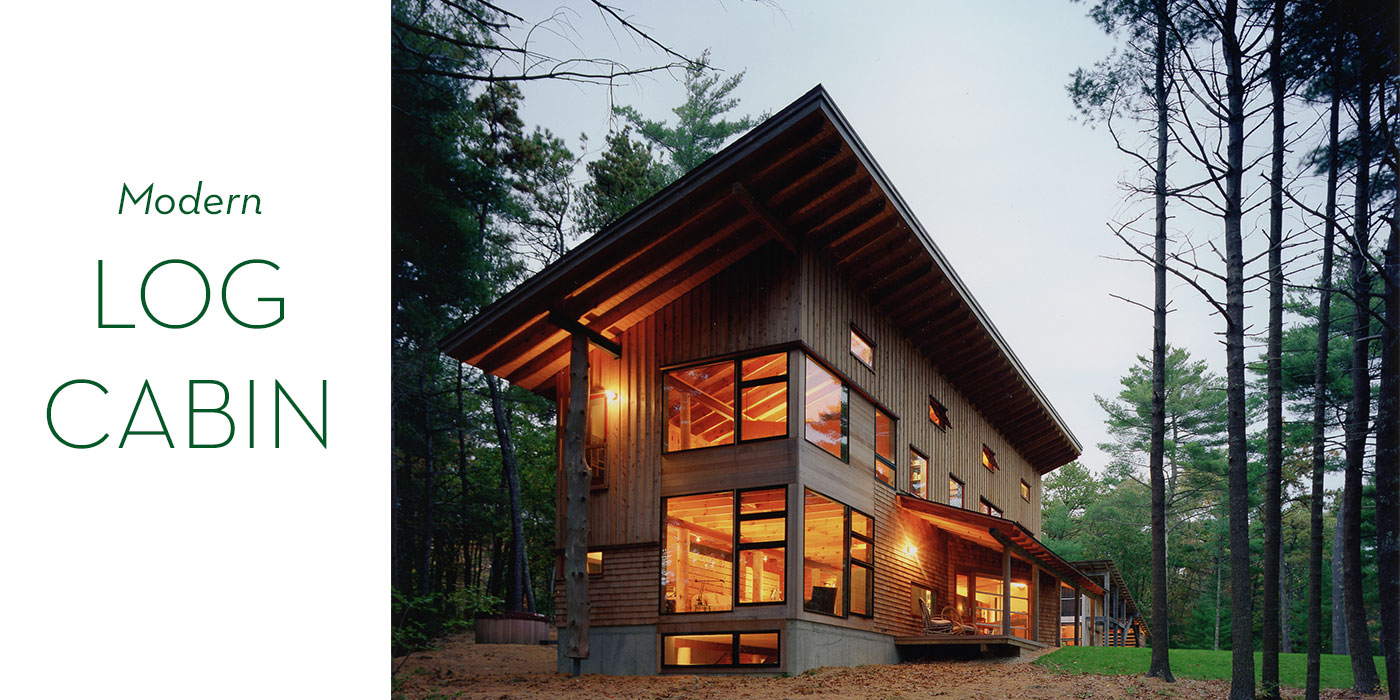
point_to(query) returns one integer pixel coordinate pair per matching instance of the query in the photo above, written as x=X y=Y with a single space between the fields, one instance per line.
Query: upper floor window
x=826 y=411
x=955 y=491
x=938 y=414
x=986 y=507
x=884 y=448
x=862 y=348
x=1025 y=491
x=700 y=402
x=989 y=459
x=918 y=474
x=596 y=443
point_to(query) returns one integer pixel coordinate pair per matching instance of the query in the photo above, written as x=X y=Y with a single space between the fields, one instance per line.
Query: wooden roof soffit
x=572 y=325
x=766 y=216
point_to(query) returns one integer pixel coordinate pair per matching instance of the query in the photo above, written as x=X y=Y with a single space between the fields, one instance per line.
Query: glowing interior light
x=612 y=395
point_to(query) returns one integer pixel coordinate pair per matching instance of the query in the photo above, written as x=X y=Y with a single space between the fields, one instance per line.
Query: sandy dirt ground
x=460 y=669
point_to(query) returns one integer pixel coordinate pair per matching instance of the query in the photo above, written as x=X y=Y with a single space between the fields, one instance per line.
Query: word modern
x=167 y=204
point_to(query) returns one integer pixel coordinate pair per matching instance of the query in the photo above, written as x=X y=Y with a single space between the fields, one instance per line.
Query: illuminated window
x=763 y=546
x=884 y=448
x=984 y=606
x=838 y=573
x=595 y=563
x=986 y=507
x=700 y=402
x=596 y=445
x=989 y=458
x=823 y=555
x=763 y=400
x=955 y=491
x=1025 y=491
x=862 y=348
x=828 y=425
x=918 y=473
x=699 y=559
x=938 y=414
x=723 y=649
x=921 y=600
x=862 y=548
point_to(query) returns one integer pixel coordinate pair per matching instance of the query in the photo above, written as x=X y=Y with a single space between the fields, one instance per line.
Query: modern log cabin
x=805 y=443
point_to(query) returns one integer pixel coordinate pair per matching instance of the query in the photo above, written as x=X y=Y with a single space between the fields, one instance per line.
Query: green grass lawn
x=1202 y=664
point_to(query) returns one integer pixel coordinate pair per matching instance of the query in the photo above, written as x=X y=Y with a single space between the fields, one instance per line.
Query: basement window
x=862 y=348
x=989 y=459
x=724 y=649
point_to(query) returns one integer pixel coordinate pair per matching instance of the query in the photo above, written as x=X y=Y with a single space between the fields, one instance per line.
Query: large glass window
x=823 y=555
x=700 y=402
x=703 y=546
x=980 y=600
x=762 y=546
x=828 y=425
x=955 y=491
x=700 y=406
x=698 y=561
x=884 y=448
x=722 y=649
x=918 y=474
x=838 y=571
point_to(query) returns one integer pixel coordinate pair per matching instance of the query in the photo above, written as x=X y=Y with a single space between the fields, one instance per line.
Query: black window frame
x=982 y=500
x=739 y=386
x=845 y=409
x=989 y=459
x=865 y=338
x=733 y=654
x=938 y=412
x=894 y=438
x=1025 y=491
x=852 y=564
x=928 y=469
x=735 y=548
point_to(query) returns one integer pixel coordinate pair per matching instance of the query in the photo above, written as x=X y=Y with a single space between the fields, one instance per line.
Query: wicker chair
x=955 y=621
x=934 y=625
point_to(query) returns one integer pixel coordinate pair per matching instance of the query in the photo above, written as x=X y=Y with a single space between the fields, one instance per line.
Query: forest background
x=482 y=198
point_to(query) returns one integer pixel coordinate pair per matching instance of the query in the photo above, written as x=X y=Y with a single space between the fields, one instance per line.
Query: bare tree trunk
x=1215 y=645
x=1241 y=585
x=1363 y=666
x=518 y=594
x=1285 y=642
x=1388 y=467
x=1273 y=462
x=425 y=562
x=1160 y=665
x=576 y=505
x=1319 y=437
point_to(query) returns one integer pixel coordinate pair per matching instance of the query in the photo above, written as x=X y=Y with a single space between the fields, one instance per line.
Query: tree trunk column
x=576 y=505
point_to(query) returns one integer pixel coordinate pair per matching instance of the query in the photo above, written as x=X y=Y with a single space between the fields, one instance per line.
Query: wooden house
x=1118 y=623
x=806 y=443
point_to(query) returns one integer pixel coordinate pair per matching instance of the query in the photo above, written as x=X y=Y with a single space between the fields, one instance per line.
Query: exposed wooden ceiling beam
x=770 y=221
x=871 y=217
x=572 y=325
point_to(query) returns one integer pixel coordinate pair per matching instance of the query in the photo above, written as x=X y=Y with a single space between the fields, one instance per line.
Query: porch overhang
x=998 y=533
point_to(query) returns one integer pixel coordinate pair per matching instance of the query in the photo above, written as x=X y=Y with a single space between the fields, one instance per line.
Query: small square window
x=938 y=414
x=595 y=563
x=862 y=348
x=989 y=459
x=1025 y=491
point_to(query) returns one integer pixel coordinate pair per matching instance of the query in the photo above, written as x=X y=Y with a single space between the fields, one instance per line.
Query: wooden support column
x=1006 y=591
x=1035 y=602
x=576 y=505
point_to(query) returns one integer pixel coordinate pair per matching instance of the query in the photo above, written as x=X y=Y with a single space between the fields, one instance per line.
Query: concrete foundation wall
x=811 y=645
x=615 y=651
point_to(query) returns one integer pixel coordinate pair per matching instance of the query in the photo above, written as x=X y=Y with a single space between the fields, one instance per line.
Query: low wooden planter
x=512 y=628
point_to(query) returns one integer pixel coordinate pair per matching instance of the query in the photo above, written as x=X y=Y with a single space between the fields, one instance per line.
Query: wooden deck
x=987 y=644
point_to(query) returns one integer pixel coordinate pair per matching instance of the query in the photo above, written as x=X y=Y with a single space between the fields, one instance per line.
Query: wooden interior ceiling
x=800 y=179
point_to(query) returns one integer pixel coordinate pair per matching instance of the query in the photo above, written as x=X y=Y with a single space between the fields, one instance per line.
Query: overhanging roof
x=992 y=531
x=1099 y=566
x=801 y=178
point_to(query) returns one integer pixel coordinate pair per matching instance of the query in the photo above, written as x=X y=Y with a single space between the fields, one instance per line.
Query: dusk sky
x=964 y=107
